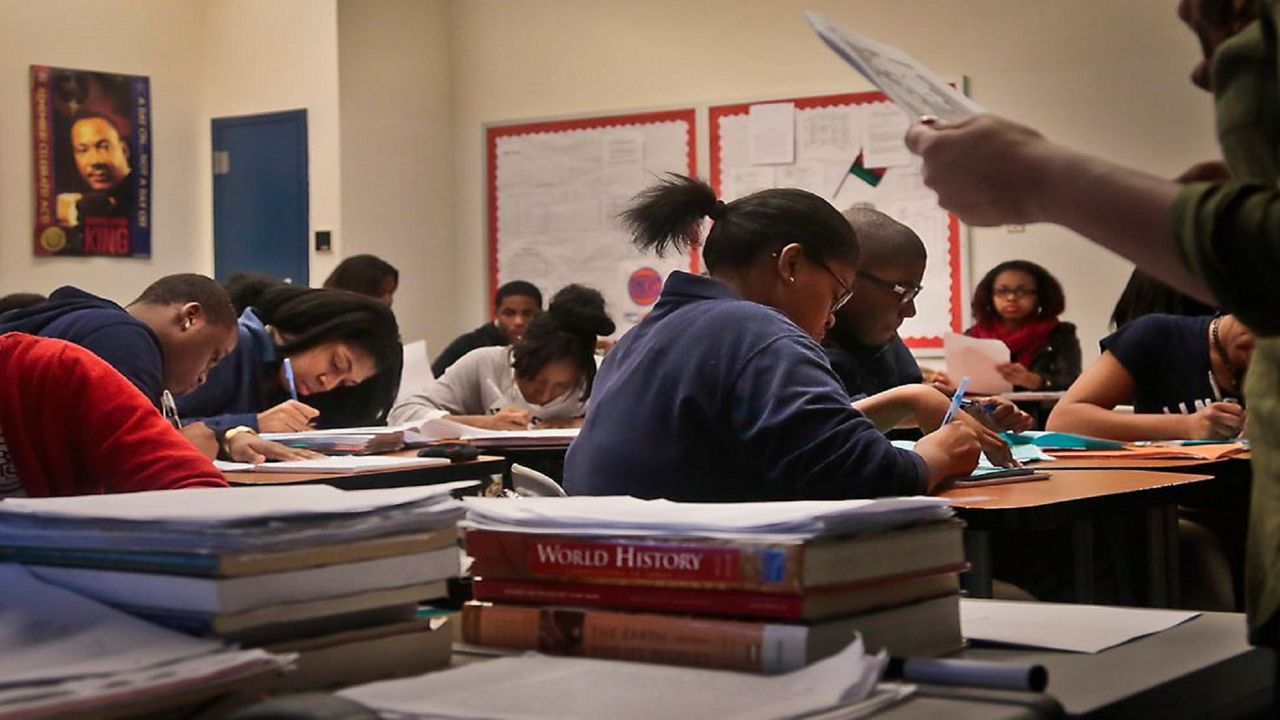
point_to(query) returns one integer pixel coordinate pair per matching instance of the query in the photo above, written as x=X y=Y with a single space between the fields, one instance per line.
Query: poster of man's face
x=92 y=149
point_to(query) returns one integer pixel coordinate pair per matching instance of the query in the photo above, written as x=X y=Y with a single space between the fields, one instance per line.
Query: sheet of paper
x=334 y=464
x=1077 y=628
x=915 y=89
x=773 y=133
x=442 y=429
x=618 y=514
x=883 y=144
x=53 y=634
x=741 y=182
x=977 y=359
x=534 y=686
x=811 y=176
x=227 y=505
x=831 y=134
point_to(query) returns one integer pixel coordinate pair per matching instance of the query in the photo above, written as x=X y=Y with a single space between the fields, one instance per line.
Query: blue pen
x=955 y=400
x=293 y=386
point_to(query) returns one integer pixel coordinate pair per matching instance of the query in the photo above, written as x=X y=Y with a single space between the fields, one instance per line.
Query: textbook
x=235 y=563
x=926 y=628
x=814 y=605
x=381 y=652
x=757 y=565
x=239 y=594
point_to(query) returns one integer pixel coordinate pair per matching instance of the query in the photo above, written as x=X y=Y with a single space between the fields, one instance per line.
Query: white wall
x=1079 y=70
x=396 y=83
x=144 y=37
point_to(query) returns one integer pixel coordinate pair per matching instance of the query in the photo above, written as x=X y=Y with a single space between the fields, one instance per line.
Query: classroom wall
x=1077 y=69
x=396 y=83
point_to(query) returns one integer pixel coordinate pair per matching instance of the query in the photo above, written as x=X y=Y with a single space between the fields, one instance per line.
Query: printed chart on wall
x=555 y=191
x=848 y=149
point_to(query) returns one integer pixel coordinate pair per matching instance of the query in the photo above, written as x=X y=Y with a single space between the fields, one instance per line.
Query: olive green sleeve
x=1229 y=236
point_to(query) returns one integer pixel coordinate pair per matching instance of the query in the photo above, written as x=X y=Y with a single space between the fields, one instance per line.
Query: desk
x=546 y=458
x=1074 y=499
x=482 y=468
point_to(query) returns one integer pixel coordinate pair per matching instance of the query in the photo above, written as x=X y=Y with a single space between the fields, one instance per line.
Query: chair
x=531 y=483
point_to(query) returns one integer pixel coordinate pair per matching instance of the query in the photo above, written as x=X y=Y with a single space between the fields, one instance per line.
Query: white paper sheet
x=741 y=182
x=831 y=134
x=773 y=133
x=534 y=686
x=442 y=429
x=977 y=358
x=1078 y=628
x=333 y=464
x=911 y=85
x=883 y=145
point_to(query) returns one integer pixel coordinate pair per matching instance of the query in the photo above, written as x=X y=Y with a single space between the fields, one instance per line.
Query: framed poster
x=91 y=142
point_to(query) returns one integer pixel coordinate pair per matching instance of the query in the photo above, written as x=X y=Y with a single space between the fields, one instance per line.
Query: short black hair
x=190 y=287
x=364 y=274
x=1052 y=301
x=20 y=301
x=1145 y=295
x=246 y=287
x=668 y=215
x=517 y=288
x=567 y=330
x=313 y=316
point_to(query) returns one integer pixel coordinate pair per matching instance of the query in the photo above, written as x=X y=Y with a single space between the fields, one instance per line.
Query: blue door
x=260 y=205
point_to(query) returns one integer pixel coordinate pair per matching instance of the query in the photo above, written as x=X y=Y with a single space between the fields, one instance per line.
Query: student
x=722 y=392
x=542 y=380
x=515 y=304
x=1018 y=302
x=1182 y=375
x=1145 y=295
x=71 y=425
x=333 y=338
x=368 y=275
x=179 y=328
x=20 y=301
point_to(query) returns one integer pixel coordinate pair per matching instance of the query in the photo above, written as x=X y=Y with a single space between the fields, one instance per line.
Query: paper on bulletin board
x=556 y=198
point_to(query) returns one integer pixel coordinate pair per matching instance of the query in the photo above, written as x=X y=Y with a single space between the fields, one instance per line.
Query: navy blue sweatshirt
x=714 y=398
x=239 y=387
x=101 y=327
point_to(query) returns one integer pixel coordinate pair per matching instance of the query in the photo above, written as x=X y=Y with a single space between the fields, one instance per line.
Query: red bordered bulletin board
x=947 y=244
x=554 y=189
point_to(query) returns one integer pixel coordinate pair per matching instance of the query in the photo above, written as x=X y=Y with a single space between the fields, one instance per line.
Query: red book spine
x=639 y=597
x=709 y=564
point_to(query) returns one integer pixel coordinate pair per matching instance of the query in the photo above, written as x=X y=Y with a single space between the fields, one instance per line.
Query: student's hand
x=987 y=170
x=1216 y=421
x=1206 y=171
x=993 y=446
x=288 y=416
x=949 y=452
x=203 y=437
x=511 y=418
x=1018 y=374
x=1000 y=414
x=248 y=447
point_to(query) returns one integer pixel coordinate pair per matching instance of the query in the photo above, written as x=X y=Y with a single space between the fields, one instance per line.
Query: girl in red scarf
x=1019 y=302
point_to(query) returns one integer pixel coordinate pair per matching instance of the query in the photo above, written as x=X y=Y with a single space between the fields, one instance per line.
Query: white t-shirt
x=482 y=382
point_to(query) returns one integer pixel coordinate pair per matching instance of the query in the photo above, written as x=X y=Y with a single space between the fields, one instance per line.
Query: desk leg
x=1082 y=560
x=1162 y=549
x=977 y=549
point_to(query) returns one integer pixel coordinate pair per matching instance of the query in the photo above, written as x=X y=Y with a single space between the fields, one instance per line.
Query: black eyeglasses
x=847 y=291
x=1014 y=292
x=906 y=293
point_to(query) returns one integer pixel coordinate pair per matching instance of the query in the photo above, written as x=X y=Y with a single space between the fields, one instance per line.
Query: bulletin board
x=555 y=189
x=848 y=149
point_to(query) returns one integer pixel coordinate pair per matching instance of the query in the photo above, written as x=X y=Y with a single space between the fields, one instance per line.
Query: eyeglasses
x=906 y=293
x=847 y=291
x=1016 y=292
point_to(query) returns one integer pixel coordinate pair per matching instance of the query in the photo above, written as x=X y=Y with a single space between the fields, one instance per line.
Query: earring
x=186 y=324
x=792 y=279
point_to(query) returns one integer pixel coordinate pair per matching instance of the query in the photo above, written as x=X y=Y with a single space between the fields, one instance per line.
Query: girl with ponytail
x=543 y=380
x=722 y=392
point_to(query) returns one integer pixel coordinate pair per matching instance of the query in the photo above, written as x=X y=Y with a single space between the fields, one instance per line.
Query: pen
x=970 y=673
x=169 y=409
x=288 y=375
x=1217 y=391
x=955 y=400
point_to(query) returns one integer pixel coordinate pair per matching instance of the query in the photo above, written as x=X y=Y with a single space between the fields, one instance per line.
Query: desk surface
x=1077 y=486
x=481 y=467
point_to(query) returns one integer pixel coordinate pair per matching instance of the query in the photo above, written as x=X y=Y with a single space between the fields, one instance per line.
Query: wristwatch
x=225 y=443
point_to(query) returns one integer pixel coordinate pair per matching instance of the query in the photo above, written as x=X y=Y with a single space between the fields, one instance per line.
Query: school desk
x=482 y=468
x=1076 y=499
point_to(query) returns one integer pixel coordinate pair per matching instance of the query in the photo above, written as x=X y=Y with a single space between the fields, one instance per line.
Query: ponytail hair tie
x=717 y=211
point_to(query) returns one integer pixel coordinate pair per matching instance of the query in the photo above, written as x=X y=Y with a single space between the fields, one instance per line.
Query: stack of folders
x=763 y=587
x=311 y=569
x=343 y=441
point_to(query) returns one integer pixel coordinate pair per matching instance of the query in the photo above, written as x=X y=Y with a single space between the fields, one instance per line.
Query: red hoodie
x=71 y=425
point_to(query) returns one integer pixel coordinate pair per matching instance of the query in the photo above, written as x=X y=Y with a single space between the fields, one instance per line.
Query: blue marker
x=293 y=386
x=955 y=400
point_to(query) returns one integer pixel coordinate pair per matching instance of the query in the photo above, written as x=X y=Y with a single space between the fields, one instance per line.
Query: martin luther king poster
x=91 y=135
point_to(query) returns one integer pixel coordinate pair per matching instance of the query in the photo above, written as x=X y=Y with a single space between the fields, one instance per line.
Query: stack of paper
x=615 y=515
x=536 y=686
x=337 y=464
x=343 y=441
x=66 y=653
x=435 y=429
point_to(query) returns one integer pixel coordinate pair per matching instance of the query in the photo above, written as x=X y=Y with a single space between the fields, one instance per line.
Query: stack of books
x=763 y=587
x=308 y=569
